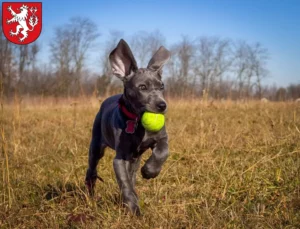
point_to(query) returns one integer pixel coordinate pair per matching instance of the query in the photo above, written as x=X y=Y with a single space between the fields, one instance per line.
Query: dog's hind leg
x=96 y=152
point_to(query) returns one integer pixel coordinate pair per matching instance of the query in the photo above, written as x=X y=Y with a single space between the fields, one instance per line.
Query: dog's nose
x=161 y=106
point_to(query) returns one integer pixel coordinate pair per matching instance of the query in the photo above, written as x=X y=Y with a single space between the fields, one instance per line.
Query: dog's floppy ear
x=122 y=60
x=159 y=59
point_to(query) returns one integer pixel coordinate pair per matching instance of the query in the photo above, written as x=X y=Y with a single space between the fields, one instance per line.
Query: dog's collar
x=132 y=122
x=125 y=111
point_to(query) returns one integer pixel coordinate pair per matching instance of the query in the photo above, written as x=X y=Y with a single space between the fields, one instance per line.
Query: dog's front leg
x=154 y=164
x=134 y=166
x=124 y=177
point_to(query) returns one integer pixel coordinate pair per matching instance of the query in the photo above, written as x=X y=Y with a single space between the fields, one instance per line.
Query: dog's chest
x=146 y=143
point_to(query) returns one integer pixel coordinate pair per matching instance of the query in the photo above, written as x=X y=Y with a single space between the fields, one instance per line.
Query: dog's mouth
x=150 y=108
x=155 y=110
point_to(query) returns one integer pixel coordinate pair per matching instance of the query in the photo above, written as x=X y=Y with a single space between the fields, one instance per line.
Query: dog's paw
x=90 y=186
x=147 y=174
x=90 y=181
x=132 y=207
x=136 y=211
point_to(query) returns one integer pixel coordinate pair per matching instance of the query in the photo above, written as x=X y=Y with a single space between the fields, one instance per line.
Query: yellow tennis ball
x=153 y=122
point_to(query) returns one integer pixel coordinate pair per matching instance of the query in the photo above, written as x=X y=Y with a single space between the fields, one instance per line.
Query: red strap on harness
x=131 y=124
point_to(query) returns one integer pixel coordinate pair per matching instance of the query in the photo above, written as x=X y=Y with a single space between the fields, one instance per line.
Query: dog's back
x=106 y=120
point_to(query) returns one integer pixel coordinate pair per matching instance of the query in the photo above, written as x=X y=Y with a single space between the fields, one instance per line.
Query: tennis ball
x=153 y=122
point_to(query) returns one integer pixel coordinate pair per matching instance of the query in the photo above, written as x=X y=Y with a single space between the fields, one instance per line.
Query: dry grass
x=231 y=165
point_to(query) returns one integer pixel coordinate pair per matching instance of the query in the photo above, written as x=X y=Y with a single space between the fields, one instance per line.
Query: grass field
x=231 y=165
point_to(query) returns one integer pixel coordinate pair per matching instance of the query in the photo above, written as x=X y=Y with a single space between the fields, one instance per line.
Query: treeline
x=212 y=66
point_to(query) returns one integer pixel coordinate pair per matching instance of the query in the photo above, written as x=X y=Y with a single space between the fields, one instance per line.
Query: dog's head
x=143 y=87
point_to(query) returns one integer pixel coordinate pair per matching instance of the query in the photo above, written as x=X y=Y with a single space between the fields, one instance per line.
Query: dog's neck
x=127 y=108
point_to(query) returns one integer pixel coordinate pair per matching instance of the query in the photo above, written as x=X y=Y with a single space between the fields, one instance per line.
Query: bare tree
x=241 y=66
x=258 y=58
x=34 y=50
x=25 y=60
x=69 y=49
x=250 y=67
x=293 y=91
x=109 y=45
x=6 y=61
x=6 y=64
x=60 y=47
x=33 y=74
x=180 y=65
x=213 y=59
x=104 y=81
x=61 y=58
x=155 y=40
x=83 y=33
x=185 y=52
x=145 y=44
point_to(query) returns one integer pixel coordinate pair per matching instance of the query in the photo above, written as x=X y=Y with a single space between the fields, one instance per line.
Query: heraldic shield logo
x=22 y=21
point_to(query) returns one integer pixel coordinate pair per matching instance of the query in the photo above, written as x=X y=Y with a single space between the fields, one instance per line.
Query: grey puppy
x=117 y=125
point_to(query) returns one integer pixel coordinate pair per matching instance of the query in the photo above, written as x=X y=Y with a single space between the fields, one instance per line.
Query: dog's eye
x=143 y=87
x=162 y=87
